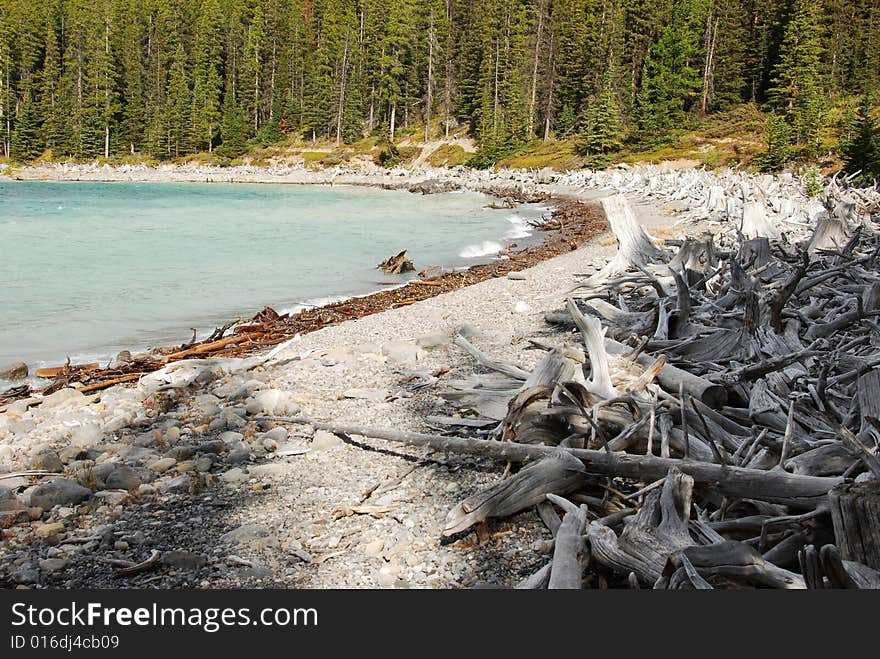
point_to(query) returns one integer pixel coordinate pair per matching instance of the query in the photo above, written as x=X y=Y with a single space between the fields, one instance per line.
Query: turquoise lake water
x=89 y=269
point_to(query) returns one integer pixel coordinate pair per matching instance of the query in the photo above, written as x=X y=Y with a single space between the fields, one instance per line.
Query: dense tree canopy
x=168 y=78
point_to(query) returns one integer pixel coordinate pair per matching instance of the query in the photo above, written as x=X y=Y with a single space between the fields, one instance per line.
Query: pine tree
x=779 y=144
x=602 y=128
x=207 y=78
x=178 y=108
x=797 y=91
x=234 y=128
x=53 y=109
x=26 y=142
x=671 y=77
x=860 y=149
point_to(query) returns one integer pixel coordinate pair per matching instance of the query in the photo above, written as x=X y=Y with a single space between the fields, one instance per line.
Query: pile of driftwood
x=714 y=424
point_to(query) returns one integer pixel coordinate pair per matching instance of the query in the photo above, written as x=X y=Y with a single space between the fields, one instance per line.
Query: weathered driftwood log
x=536 y=581
x=670 y=378
x=397 y=264
x=570 y=554
x=729 y=564
x=777 y=486
x=557 y=473
x=855 y=511
x=659 y=529
x=635 y=247
x=825 y=569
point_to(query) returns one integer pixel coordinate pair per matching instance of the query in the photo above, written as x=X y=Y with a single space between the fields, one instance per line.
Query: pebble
x=47 y=461
x=249 y=534
x=238 y=457
x=50 y=565
x=324 y=441
x=230 y=437
x=26 y=574
x=185 y=560
x=59 y=492
x=123 y=478
x=277 y=434
x=47 y=530
x=163 y=464
x=178 y=485
x=234 y=475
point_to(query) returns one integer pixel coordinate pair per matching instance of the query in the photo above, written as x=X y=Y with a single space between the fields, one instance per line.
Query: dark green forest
x=168 y=78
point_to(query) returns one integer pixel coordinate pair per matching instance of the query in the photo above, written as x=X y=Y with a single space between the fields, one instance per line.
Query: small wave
x=313 y=304
x=485 y=248
x=520 y=228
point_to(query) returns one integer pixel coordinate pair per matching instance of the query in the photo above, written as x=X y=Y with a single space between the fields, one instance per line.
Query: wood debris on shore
x=572 y=225
x=714 y=423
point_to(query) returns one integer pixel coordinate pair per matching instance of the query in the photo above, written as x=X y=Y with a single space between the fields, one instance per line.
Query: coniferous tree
x=26 y=143
x=207 y=77
x=602 y=128
x=671 y=77
x=860 y=148
x=797 y=91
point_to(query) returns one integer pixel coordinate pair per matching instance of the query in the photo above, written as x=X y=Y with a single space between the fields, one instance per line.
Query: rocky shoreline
x=176 y=482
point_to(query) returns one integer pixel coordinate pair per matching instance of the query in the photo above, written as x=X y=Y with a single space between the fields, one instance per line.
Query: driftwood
x=557 y=473
x=855 y=510
x=570 y=554
x=804 y=492
x=397 y=264
x=659 y=529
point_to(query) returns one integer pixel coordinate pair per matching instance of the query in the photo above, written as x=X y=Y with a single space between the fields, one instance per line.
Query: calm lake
x=89 y=269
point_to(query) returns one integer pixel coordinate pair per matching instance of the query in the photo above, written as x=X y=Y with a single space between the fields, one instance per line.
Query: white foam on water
x=520 y=228
x=485 y=248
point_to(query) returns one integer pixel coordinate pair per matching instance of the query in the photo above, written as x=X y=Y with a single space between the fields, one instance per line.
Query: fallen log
x=777 y=486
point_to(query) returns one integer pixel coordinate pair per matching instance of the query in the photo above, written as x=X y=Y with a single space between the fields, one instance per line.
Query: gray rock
x=47 y=461
x=183 y=452
x=205 y=462
x=59 y=492
x=6 y=494
x=516 y=276
x=246 y=534
x=14 y=371
x=213 y=446
x=72 y=454
x=50 y=565
x=238 y=457
x=95 y=476
x=26 y=574
x=254 y=572
x=178 y=485
x=324 y=441
x=185 y=560
x=123 y=478
x=401 y=352
x=279 y=434
x=229 y=437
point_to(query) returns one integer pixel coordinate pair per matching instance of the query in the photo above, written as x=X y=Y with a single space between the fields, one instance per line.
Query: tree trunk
x=855 y=511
